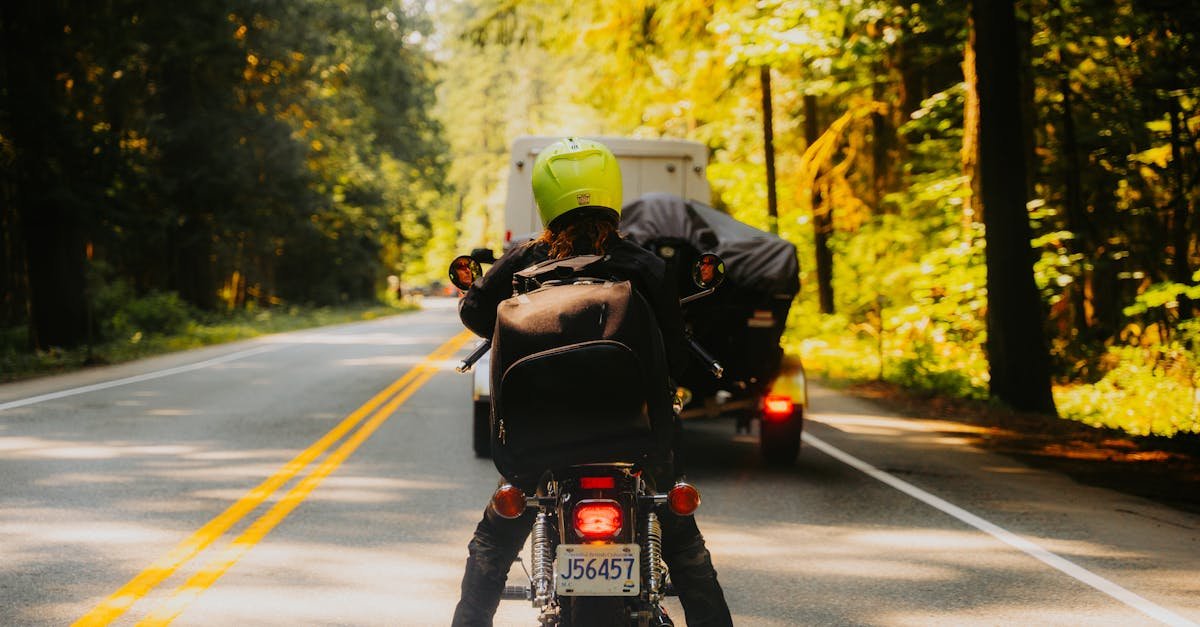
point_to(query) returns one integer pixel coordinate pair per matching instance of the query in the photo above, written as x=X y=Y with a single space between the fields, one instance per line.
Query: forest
x=162 y=158
x=990 y=199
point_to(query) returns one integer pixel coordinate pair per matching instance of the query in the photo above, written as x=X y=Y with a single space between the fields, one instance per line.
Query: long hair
x=586 y=231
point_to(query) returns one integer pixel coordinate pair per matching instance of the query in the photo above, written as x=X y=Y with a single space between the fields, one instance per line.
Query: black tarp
x=755 y=260
x=742 y=323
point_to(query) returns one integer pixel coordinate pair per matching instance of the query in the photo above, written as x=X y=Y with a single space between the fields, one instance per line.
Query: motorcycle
x=596 y=542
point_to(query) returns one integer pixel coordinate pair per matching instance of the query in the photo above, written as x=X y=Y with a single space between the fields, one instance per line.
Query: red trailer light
x=683 y=499
x=508 y=501
x=778 y=407
x=598 y=520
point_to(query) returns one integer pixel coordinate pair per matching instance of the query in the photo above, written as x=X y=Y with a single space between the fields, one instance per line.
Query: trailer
x=741 y=324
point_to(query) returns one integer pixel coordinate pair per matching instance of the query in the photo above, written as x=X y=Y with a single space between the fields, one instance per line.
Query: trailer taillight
x=778 y=407
x=598 y=520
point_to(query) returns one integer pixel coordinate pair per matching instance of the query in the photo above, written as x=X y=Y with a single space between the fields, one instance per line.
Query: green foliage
x=157 y=312
x=206 y=329
x=1149 y=391
x=240 y=154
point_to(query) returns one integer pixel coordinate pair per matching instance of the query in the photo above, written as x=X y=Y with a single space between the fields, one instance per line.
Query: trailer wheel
x=482 y=429
x=779 y=440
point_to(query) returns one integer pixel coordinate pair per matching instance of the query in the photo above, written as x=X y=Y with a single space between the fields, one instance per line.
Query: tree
x=49 y=147
x=1018 y=357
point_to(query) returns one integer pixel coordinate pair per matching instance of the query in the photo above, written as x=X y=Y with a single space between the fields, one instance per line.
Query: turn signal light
x=778 y=407
x=598 y=520
x=683 y=499
x=508 y=501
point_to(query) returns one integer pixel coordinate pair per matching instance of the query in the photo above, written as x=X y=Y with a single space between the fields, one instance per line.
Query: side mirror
x=709 y=271
x=463 y=272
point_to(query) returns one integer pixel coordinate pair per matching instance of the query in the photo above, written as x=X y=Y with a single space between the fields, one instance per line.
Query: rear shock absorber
x=543 y=561
x=652 y=557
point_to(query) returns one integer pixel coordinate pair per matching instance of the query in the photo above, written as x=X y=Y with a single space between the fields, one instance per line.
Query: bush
x=161 y=313
x=1150 y=391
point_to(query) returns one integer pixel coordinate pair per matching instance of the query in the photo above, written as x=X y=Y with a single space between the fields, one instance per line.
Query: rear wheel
x=482 y=429
x=779 y=440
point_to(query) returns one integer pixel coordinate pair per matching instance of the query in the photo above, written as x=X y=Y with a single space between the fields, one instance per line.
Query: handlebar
x=713 y=365
x=469 y=361
x=697 y=296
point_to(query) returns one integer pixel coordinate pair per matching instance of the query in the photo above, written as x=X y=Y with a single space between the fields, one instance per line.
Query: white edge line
x=1068 y=567
x=136 y=379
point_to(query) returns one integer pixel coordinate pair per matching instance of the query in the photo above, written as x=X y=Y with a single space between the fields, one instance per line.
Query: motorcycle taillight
x=598 y=519
x=597 y=483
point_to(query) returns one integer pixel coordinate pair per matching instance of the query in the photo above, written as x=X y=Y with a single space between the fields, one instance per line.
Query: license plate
x=594 y=570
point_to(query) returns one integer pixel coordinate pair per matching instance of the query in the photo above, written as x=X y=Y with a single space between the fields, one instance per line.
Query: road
x=325 y=477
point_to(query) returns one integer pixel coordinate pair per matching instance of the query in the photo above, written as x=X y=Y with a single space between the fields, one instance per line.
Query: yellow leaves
x=134 y=143
x=1159 y=156
x=240 y=33
x=317 y=145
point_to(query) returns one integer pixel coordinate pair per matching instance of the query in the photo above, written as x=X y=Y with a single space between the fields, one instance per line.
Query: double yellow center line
x=398 y=392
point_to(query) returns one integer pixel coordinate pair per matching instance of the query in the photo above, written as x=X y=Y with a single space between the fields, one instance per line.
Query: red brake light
x=778 y=407
x=508 y=501
x=683 y=499
x=597 y=520
x=597 y=483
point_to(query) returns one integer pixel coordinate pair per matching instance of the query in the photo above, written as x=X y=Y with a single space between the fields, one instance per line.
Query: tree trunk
x=822 y=218
x=1077 y=219
x=32 y=46
x=14 y=304
x=1181 y=236
x=1018 y=357
x=970 y=142
x=769 y=147
x=882 y=137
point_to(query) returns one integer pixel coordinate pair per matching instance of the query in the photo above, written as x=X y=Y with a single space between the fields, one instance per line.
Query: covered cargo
x=743 y=322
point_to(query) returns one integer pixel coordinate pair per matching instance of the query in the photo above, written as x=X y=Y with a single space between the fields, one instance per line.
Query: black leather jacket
x=626 y=260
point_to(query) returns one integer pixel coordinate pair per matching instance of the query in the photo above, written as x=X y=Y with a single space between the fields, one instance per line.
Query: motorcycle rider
x=577 y=186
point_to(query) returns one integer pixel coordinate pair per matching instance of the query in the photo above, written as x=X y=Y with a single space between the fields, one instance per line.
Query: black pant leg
x=490 y=554
x=692 y=571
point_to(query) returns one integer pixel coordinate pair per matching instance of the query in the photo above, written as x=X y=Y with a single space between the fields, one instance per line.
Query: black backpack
x=578 y=372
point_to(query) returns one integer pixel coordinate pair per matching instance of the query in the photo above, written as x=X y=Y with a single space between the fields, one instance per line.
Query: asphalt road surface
x=325 y=477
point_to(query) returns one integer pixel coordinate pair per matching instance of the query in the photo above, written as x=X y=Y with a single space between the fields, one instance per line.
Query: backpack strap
x=553 y=271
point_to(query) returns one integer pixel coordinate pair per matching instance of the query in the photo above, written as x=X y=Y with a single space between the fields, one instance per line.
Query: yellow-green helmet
x=574 y=173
